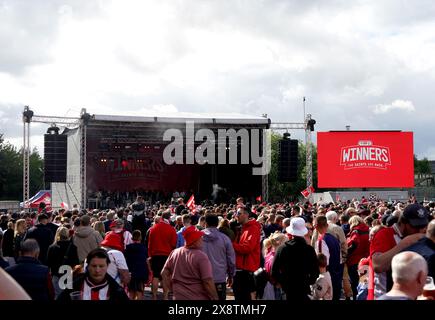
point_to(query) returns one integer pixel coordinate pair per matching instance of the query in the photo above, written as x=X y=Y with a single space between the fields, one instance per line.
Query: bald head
x=430 y=232
x=408 y=267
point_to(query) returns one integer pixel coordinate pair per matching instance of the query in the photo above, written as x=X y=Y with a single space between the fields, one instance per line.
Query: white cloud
x=402 y=105
x=210 y=56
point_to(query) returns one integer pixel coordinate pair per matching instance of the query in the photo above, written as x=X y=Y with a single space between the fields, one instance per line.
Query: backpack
x=71 y=257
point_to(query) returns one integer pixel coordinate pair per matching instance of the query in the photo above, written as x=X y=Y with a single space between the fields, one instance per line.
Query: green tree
x=421 y=166
x=11 y=172
x=289 y=190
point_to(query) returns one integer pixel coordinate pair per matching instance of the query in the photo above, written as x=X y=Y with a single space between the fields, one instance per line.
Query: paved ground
x=148 y=295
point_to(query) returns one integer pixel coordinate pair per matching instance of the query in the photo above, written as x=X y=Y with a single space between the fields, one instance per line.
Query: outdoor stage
x=125 y=153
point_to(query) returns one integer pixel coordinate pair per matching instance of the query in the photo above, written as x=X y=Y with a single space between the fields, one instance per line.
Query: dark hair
x=136 y=235
x=166 y=215
x=42 y=216
x=97 y=253
x=391 y=220
x=211 y=220
x=76 y=222
x=85 y=220
x=321 y=221
x=322 y=260
x=67 y=214
x=344 y=218
x=187 y=217
x=368 y=220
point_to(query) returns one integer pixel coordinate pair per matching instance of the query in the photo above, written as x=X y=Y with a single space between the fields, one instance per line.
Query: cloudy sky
x=367 y=64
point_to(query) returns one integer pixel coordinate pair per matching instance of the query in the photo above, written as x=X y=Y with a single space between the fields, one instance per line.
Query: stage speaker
x=55 y=151
x=288 y=160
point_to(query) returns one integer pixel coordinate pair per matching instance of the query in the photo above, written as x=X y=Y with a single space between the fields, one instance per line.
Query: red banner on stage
x=359 y=159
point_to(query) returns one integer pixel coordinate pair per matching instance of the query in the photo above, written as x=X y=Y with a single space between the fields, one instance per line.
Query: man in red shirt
x=247 y=249
x=161 y=241
x=389 y=241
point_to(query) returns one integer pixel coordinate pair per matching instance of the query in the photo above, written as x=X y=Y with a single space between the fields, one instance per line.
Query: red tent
x=41 y=196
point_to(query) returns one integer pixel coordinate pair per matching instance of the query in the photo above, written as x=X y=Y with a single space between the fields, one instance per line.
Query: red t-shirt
x=383 y=241
x=162 y=239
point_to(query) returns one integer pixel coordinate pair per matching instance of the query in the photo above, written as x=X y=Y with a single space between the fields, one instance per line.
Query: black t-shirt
x=179 y=209
x=138 y=206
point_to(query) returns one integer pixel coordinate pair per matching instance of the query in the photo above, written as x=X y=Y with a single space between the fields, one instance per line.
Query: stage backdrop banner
x=365 y=159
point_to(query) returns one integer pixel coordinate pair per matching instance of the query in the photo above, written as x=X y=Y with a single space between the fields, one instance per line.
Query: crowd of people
x=353 y=250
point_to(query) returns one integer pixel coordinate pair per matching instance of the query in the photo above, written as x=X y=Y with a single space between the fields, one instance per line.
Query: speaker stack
x=288 y=160
x=55 y=152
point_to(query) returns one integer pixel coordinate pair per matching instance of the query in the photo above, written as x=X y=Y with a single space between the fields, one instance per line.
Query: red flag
x=371 y=286
x=258 y=198
x=306 y=193
x=191 y=203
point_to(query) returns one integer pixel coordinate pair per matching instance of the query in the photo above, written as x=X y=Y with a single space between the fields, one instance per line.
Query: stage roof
x=180 y=117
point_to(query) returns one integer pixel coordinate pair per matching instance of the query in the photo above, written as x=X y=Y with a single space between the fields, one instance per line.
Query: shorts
x=157 y=264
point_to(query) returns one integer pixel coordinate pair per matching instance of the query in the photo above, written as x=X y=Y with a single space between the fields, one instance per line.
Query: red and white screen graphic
x=362 y=159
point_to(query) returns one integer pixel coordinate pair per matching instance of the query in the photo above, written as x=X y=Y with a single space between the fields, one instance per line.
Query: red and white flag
x=191 y=203
x=306 y=193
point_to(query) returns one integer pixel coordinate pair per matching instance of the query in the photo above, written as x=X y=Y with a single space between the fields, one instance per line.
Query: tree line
x=11 y=172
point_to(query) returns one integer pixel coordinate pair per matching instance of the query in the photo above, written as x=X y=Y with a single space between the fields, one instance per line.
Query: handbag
x=260 y=278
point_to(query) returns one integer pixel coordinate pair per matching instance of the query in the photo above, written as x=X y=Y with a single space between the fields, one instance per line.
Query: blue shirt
x=426 y=248
x=180 y=238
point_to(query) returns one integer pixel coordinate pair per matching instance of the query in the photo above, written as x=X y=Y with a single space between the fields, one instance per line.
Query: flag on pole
x=258 y=198
x=63 y=205
x=306 y=193
x=191 y=203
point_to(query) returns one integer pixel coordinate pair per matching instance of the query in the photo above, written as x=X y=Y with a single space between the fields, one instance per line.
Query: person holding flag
x=191 y=203
x=307 y=192
x=180 y=206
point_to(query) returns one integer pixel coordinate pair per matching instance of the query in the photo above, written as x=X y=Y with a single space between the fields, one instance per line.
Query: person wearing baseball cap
x=387 y=242
x=188 y=270
x=426 y=248
x=295 y=266
x=416 y=215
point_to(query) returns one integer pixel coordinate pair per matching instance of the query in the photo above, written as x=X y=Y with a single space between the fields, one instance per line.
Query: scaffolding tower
x=308 y=126
x=28 y=117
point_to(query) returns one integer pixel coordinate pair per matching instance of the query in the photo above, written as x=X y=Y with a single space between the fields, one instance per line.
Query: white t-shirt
x=117 y=262
x=128 y=238
x=325 y=250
